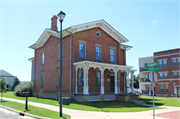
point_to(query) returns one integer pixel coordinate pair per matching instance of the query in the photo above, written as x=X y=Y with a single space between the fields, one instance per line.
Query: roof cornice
x=77 y=28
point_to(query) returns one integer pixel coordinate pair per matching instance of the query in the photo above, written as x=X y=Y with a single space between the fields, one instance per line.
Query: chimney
x=54 y=23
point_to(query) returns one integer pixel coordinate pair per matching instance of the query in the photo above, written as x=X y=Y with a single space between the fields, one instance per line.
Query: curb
x=19 y=112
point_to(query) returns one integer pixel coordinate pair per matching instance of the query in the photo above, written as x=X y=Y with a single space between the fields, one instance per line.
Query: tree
x=135 y=81
x=23 y=87
x=15 y=83
x=2 y=86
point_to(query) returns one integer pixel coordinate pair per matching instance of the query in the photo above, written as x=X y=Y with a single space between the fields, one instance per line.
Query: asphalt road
x=7 y=114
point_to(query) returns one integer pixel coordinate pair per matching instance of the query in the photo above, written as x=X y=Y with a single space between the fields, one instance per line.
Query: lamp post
x=60 y=16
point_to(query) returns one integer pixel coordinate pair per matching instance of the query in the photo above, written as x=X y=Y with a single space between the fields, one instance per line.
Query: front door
x=112 y=83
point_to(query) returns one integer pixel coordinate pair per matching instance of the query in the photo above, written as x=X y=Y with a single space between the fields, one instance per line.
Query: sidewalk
x=79 y=114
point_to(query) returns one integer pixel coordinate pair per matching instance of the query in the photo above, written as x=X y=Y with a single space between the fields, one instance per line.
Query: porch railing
x=144 y=80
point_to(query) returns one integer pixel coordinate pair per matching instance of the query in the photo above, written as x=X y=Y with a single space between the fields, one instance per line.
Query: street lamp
x=60 y=16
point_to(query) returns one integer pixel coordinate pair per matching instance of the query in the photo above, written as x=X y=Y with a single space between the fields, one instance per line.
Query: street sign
x=154 y=64
x=152 y=68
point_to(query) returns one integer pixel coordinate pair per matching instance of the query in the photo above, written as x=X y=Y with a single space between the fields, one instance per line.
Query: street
x=7 y=114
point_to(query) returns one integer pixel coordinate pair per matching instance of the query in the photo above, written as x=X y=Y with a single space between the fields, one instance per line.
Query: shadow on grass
x=110 y=104
x=150 y=101
x=3 y=101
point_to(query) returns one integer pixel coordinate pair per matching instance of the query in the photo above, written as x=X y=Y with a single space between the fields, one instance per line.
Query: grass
x=34 y=110
x=165 y=101
x=108 y=106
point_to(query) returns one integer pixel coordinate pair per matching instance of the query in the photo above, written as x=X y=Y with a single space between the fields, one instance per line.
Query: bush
x=23 y=87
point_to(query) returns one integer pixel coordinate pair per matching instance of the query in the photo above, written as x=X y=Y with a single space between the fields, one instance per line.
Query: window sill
x=113 y=62
x=98 y=60
x=82 y=58
x=175 y=66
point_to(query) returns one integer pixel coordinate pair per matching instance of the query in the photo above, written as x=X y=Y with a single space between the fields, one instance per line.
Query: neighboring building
x=8 y=77
x=168 y=82
x=145 y=77
x=93 y=62
x=168 y=76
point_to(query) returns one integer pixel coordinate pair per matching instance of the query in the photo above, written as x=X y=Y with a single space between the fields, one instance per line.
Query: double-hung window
x=98 y=53
x=112 y=55
x=178 y=61
x=160 y=63
x=174 y=62
x=165 y=75
x=175 y=74
x=81 y=78
x=98 y=78
x=42 y=79
x=58 y=78
x=166 y=88
x=82 y=50
x=42 y=58
x=161 y=75
x=165 y=63
x=162 y=88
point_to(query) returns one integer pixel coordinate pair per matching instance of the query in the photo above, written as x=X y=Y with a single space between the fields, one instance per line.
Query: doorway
x=112 y=83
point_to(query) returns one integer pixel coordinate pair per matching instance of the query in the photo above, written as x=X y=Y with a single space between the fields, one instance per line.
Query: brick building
x=167 y=79
x=93 y=62
x=168 y=76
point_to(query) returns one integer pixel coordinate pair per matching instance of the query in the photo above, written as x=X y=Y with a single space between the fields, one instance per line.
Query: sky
x=149 y=25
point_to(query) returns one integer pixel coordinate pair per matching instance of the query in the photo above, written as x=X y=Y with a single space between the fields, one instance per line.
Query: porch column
x=76 y=82
x=132 y=81
x=115 y=88
x=127 y=81
x=124 y=82
x=119 y=76
x=102 y=80
x=85 y=87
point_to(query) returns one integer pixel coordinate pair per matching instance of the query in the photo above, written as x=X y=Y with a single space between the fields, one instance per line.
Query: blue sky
x=149 y=25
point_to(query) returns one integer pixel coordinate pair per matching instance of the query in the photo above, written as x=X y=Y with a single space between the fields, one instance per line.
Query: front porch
x=127 y=97
x=94 y=78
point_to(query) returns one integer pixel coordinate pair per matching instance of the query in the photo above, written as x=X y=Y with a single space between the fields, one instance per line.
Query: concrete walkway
x=79 y=114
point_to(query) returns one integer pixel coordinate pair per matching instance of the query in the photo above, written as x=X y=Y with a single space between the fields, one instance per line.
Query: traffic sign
x=151 y=68
x=154 y=64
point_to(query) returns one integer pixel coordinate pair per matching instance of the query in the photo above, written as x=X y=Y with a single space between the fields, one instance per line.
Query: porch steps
x=140 y=102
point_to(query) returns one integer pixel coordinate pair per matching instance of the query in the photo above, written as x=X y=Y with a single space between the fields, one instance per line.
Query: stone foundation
x=126 y=97
x=49 y=95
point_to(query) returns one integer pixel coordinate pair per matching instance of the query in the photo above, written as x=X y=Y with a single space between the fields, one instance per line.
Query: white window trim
x=164 y=83
x=176 y=71
x=161 y=59
x=99 y=45
x=163 y=72
x=114 y=48
x=84 y=49
x=175 y=58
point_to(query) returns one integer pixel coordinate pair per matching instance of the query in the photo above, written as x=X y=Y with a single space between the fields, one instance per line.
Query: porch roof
x=89 y=64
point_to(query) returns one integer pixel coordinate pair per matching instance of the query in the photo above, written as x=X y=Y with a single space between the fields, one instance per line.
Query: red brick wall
x=51 y=63
x=167 y=55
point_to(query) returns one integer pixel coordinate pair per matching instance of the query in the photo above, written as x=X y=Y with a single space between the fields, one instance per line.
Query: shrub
x=23 y=87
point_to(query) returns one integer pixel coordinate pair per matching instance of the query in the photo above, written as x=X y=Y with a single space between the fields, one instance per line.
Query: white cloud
x=32 y=55
x=154 y=21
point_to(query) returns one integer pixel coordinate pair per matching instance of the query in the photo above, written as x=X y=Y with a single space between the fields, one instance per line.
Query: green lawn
x=34 y=110
x=165 y=101
x=108 y=106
